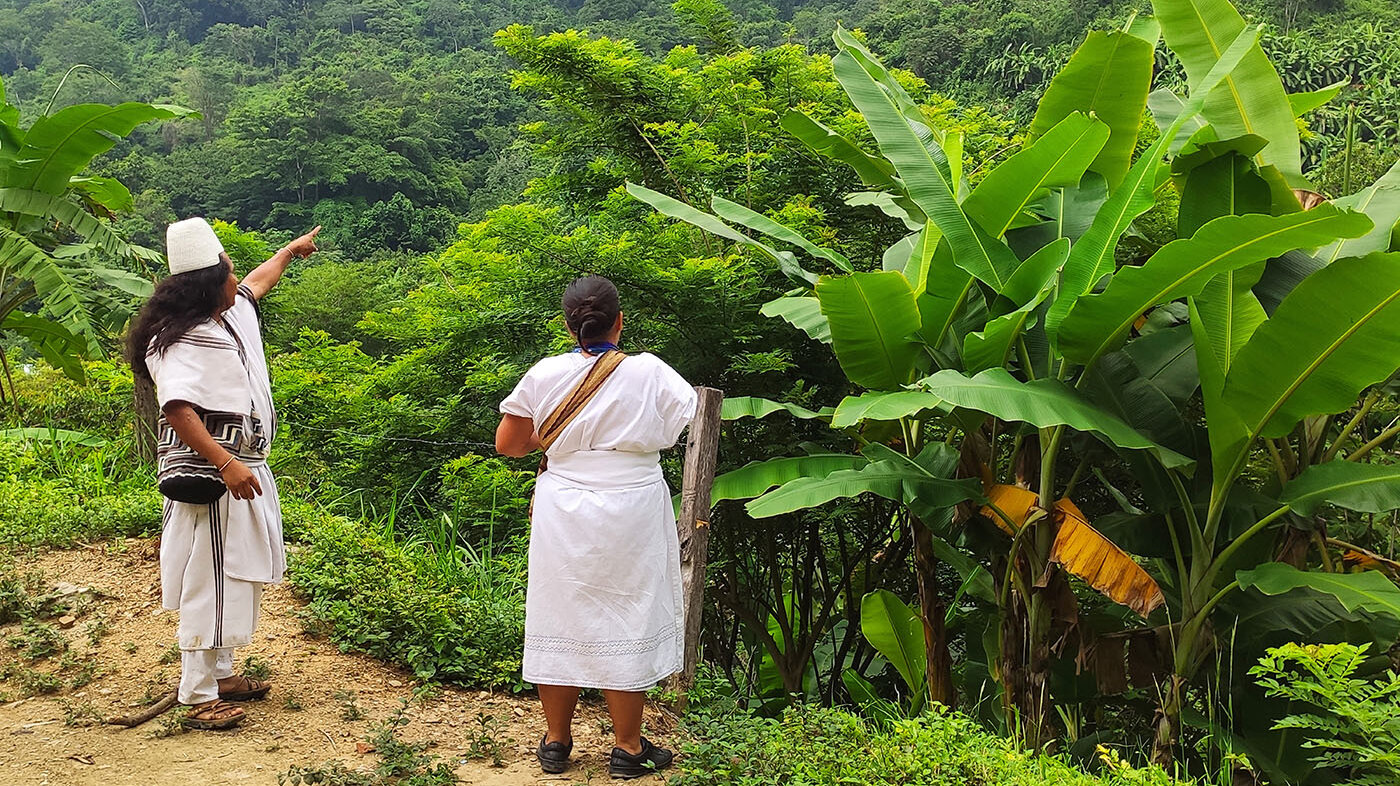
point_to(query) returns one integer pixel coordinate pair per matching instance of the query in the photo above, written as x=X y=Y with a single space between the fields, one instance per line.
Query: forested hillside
x=388 y=122
x=1057 y=339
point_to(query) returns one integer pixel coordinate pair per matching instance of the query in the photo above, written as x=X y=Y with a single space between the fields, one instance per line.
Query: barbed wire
x=384 y=438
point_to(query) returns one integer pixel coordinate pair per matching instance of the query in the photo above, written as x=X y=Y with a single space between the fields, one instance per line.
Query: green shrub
x=1357 y=728
x=62 y=495
x=374 y=595
x=816 y=747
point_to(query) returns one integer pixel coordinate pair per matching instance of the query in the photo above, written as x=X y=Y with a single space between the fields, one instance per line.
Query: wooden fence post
x=693 y=527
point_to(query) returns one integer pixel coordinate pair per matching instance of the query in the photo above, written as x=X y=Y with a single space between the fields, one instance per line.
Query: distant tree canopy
x=357 y=113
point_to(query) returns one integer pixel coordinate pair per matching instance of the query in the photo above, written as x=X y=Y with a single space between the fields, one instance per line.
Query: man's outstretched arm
x=265 y=276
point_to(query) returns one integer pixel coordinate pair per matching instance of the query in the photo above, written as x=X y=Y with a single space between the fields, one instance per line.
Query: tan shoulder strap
x=554 y=424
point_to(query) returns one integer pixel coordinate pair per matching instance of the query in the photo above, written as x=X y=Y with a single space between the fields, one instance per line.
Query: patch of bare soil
x=305 y=721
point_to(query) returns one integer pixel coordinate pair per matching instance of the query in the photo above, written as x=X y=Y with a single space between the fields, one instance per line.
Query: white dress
x=215 y=558
x=603 y=607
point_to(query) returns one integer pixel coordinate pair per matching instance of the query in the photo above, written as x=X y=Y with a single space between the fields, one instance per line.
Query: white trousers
x=200 y=672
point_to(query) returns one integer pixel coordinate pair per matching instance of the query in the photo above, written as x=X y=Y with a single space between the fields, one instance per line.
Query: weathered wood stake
x=693 y=527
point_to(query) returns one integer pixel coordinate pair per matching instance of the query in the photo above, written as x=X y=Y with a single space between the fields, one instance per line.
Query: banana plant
x=954 y=297
x=1001 y=333
x=56 y=278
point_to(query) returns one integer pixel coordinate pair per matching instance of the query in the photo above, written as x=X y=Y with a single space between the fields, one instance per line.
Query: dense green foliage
x=824 y=747
x=372 y=594
x=1359 y=728
x=390 y=122
x=387 y=122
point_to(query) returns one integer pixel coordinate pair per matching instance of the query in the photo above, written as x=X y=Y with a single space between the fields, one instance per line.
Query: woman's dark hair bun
x=591 y=307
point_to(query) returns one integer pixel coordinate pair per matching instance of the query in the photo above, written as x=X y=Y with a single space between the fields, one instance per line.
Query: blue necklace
x=596 y=349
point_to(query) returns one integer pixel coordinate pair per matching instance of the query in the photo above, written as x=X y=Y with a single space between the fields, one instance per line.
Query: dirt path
x=40 y=745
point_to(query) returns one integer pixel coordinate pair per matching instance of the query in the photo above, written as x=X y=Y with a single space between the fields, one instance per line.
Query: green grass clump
x=372 y=594
x=59 y=495
x=825 y=747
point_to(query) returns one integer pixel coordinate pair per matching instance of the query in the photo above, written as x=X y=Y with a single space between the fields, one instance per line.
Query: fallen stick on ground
x=136 y=719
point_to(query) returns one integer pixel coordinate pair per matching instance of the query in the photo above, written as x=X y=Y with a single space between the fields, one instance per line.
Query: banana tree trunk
x=1025 y=669
x=1167 y=724
x=939 y=661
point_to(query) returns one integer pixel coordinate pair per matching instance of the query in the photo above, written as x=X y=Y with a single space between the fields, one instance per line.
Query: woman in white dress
x=603 y=606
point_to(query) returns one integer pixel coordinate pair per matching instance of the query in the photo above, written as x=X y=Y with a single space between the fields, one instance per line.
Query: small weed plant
x=256 y=668
x=349 y=707
x=400 y=763
x=489 y=740
x=1356 y=729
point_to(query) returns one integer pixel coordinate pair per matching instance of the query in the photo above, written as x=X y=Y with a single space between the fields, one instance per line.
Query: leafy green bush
x=59 y=495
x=815 y=747
x=374 y=595
x=1358 y=727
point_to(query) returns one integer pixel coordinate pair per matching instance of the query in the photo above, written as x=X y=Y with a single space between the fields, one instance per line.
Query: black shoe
x=554 y=756
x=624 y=765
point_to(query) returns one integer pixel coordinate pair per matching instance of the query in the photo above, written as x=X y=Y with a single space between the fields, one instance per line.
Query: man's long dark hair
x=590 y=307
x=179 y=303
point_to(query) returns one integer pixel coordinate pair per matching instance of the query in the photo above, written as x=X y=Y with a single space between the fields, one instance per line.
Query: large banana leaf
x=1167 y=359
x=58 y=435
x=991 y=346
x=924 y=170
x=1305 y=102
x=1099 y=323
x=896 y=631
x=61 y=145
x=59 y=346
x=1252 y=99
x=883 y=406
x=858 y=54
x=1092 y=257
x=873 y=171
x=1381 y=201
x=1230 y=313
x=733 y=211
x=1335 y=334
x=1058 y=158
x=108 y=192
x=1086 y=553
x=740 y=407
x=803 y=313
x=1108 y=77
x=1365 y=488
x=677 y=209
x=1042 y=403
x=1028 y=284
x=947 y=291
x=896 y=482
x=1225 y=186
x=755 y=478
x=57 y=209
x=1367 y=591
x=872 y=316
x=62 y=298
x=1165 y=107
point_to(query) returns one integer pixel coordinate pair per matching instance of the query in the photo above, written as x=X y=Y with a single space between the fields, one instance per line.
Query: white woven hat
x=191 y=245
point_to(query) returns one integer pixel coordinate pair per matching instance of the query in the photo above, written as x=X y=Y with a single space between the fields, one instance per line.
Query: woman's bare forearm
x=190 y=428
x=265 y=276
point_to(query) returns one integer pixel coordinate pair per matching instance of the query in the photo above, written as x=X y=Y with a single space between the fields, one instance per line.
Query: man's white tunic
x=603 y=608
x=215 y=558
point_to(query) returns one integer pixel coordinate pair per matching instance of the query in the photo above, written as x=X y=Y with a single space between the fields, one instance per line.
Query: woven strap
x=554 y=424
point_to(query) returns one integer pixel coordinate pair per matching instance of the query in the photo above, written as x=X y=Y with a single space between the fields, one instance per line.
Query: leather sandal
x=216 y=714
x=251 y=691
